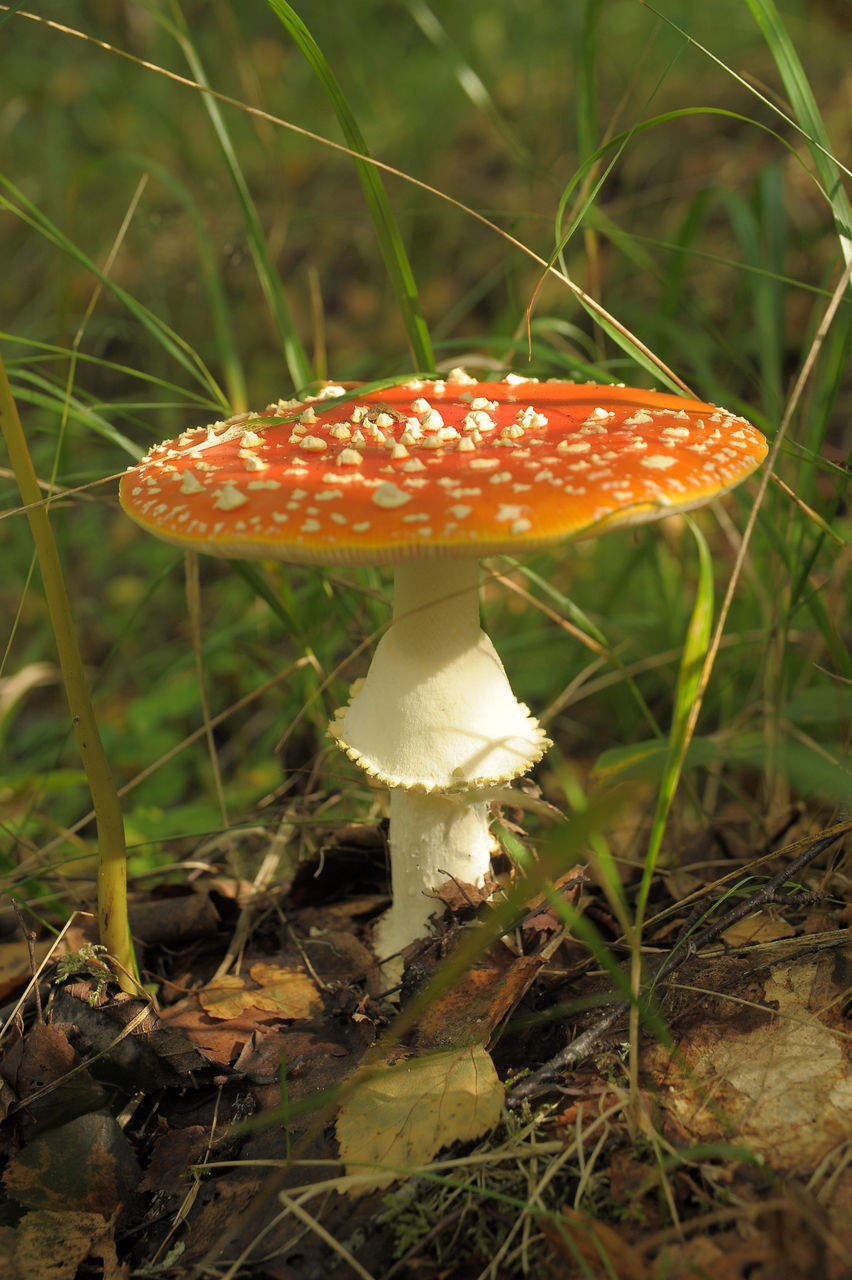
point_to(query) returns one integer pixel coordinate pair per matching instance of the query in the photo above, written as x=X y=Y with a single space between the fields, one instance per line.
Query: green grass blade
x=695 y=649
x=177 y=348
x=112 y=861
x=294 y=353
x=808 y=115
x=220 y=312
x=11 y=11
x=468 y=79
x=45 y=353
x=387 y=231
x=45 y=395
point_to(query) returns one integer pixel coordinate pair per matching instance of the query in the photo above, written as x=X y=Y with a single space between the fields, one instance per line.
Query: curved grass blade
x=220 y=314
x=47 y=352
x=807 y=114
x=45 y=395
x=387 y=231
x=468 y=79
x=695 y=649
x=177 y=348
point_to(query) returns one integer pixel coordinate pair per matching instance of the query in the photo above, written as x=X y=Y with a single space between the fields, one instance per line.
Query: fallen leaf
x=473 y=1007
x=759 y=928
x=589 y=1248
x=219 y=1041
x=286 y=993
x=172 y=1154
x=459 y=896
x=765 y=1069
x=41 y=1070
x=543 y=915
x=133 y=1045
x=724 y=1257
x=51 y=1246
x=16 y=966
x=341 y=958
x=226 y=997
x=87 y=1164
x=400 y=1115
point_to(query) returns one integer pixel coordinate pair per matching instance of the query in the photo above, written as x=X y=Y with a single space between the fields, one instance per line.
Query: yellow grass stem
x=112 y=862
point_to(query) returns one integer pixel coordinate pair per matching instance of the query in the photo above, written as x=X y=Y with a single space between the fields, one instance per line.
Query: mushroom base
x=434 y=838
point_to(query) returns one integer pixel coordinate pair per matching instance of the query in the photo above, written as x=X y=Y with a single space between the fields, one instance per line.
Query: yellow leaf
x=224 y=997
x=401 y=1115
x=286 y=993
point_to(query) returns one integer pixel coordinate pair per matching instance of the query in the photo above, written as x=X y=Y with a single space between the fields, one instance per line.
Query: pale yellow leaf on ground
x=224 y=997
x=50 y=1245
x=760 y=928
x=286 y=993
x=770 y=1070
x=401 y=1115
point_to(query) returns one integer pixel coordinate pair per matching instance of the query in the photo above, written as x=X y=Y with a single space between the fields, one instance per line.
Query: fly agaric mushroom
x=429 y=476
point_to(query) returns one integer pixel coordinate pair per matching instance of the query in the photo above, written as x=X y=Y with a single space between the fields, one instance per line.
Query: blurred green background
x=706 y=234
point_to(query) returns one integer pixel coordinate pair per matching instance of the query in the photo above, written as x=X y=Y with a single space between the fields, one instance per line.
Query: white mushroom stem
x=433 y=838
x=436 y=721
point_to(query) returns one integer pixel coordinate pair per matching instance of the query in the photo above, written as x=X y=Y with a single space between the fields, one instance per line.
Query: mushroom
x=429 y=476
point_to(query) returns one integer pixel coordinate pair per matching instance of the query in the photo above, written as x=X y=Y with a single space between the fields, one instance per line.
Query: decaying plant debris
x=273 y=1121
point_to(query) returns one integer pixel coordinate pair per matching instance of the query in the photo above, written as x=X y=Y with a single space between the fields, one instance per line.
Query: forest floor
x=255 y=1120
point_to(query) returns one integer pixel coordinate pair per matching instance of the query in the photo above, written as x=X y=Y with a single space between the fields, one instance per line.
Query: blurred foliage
x=708 y=237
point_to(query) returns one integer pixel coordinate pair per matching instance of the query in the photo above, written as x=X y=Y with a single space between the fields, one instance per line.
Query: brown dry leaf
x=44 y=1060
x=127 y=1035
x=220 y=1042
x=51 y=1246
x=774 y=1077
x=286 y=993
x=15 y=967
x=460 y=896
x=760 y=928
x=724 y=1257
x=590 y=1248
x=543 y=916
x=87 y=1164
x=172 y=1154
x=402 y=1114
x=470 y=1010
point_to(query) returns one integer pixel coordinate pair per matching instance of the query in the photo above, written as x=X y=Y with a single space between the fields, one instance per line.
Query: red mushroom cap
x=453 y=467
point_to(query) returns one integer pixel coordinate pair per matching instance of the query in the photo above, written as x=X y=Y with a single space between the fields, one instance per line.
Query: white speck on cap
x=228 y=498
x=658 y=462
x=389 y=495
